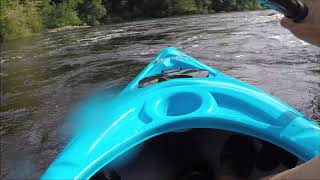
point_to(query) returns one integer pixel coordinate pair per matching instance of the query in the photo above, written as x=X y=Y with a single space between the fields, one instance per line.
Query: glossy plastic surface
x=218 y=102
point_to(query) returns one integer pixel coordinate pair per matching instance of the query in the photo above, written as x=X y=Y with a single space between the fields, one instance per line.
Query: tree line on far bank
x=21 y=18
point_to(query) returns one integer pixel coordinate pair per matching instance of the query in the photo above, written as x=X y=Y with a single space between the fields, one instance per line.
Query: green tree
x=91 y=11
x=184 y=7
x=18 y=19
x=61 y=14
x=203 y=6
x=155 y=8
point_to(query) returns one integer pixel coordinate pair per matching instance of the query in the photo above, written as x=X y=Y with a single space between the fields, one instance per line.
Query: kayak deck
x=161 y=100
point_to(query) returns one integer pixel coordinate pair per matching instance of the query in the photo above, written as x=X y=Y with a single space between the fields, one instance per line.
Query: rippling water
x=44 y=77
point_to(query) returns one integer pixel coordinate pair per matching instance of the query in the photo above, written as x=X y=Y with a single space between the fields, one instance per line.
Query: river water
x=45 y=76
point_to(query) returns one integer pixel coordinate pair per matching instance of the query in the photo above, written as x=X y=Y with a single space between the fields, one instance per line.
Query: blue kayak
x=176 y=92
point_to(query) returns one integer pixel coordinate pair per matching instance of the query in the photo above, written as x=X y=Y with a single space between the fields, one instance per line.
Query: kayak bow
x=173 y=93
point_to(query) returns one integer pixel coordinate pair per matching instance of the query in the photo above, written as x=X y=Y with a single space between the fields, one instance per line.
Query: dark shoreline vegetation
x=21 y=18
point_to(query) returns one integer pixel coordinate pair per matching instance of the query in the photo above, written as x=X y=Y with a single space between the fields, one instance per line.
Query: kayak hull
x=216 y=101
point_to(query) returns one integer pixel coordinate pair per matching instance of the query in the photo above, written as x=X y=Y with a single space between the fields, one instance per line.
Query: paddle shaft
x=292 y=9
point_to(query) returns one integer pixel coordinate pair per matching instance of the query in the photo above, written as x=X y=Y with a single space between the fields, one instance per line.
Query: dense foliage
x=131 y=9
x=18 y=20
x=60 y=14
x=23 y=17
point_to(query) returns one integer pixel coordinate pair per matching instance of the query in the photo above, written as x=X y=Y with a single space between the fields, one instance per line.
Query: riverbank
x=65 y=28
x=275 y=16
x=24 y=18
